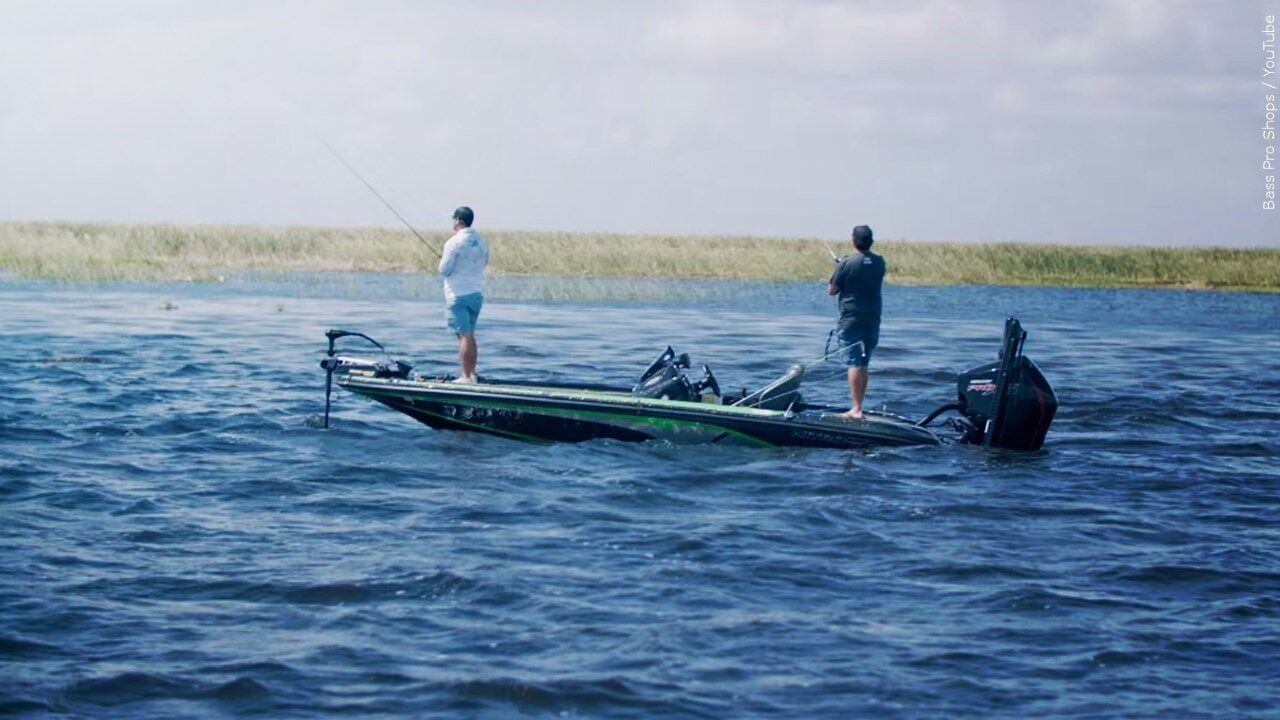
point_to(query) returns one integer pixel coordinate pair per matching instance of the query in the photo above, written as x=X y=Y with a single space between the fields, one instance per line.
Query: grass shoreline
x=163 y=252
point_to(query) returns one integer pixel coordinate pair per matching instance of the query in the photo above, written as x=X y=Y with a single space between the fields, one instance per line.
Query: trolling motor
x=379 y=368
x=1005 y=404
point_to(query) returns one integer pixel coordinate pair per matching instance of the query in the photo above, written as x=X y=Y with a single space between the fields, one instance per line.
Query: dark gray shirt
x=859 y=277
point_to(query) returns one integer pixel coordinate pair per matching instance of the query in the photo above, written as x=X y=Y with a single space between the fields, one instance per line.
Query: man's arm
x=447 y=258
x=837 y=278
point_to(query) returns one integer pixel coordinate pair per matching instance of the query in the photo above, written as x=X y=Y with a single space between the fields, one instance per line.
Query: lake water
x=178 y=540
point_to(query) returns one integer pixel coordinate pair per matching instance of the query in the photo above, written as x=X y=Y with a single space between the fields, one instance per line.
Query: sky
x=1121 y=122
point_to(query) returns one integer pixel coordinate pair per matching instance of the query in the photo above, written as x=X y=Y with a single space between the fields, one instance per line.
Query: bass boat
x=1004 y=404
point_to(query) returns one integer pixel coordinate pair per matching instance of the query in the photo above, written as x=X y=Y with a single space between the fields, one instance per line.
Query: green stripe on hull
x=665 y=426
x=670 y=424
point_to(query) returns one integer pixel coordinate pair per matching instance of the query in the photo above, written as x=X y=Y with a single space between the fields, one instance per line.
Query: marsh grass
x=103 y=251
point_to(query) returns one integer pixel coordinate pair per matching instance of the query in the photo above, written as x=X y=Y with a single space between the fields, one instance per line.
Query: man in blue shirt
x=857 y=280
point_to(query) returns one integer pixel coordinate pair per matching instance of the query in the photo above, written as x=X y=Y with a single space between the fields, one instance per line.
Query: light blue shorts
x=461 y=314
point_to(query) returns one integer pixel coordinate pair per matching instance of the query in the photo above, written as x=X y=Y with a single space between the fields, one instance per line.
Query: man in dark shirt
x=857 y=280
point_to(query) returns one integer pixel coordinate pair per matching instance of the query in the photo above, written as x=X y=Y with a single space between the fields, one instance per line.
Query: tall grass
x=101 y=251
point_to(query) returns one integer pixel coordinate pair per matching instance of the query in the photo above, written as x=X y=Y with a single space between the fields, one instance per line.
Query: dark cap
x=464 y=215
x=862 y=237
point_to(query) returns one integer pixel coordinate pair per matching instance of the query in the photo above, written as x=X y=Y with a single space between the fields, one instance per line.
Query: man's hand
x=833 y=289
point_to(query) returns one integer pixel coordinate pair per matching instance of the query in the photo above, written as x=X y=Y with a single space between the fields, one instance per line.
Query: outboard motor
x=1006 y=404
x=1009 y=402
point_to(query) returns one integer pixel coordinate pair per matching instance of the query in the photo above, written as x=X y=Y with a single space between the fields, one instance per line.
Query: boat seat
x=779 y=394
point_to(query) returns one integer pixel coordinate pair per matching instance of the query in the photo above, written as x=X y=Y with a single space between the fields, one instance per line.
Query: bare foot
x=852 y=414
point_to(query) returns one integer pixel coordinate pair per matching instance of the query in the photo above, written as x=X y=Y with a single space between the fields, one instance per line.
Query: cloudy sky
x=1091 y=122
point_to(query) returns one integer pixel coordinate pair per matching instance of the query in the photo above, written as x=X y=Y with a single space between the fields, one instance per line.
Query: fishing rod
x=374 y=190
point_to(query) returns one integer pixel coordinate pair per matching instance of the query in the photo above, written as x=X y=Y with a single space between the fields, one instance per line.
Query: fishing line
x=841 y=347
x=302 y=121
x=374 y=190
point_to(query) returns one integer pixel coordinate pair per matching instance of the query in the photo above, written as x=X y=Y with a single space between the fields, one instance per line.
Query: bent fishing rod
x=374 y=190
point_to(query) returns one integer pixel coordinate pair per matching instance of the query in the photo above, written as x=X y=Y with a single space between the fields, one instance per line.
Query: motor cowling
x=1008 y=403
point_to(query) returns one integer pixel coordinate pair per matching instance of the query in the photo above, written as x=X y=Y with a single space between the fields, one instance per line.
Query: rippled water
x=178 y=541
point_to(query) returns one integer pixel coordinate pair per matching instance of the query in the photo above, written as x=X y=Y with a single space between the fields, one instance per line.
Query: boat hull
x=553 y=414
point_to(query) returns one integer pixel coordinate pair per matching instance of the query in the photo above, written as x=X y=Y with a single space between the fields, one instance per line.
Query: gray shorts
x=859 y=342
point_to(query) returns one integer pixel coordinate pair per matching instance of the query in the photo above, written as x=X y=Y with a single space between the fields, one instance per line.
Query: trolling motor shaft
x=387 y=367
x=330 y=363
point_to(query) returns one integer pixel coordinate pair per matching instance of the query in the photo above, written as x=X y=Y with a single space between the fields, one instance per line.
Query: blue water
x=178 y=540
